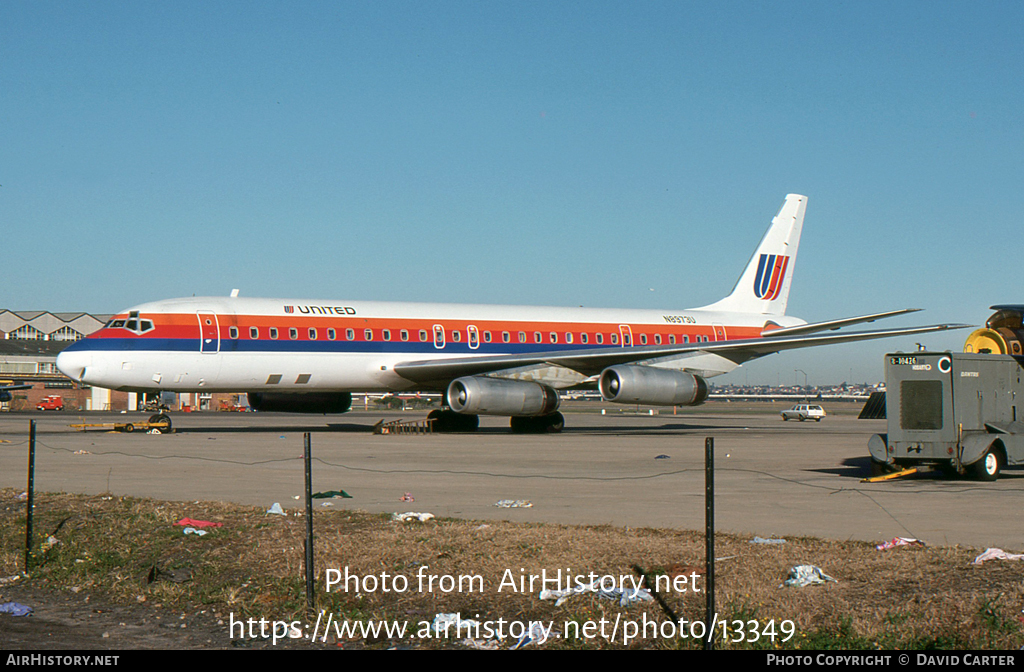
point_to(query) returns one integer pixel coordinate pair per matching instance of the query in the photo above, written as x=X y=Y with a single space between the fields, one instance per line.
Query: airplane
x=5 y=391
x=310 y=355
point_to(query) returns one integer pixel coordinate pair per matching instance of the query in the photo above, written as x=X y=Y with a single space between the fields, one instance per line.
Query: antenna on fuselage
x=234 y=293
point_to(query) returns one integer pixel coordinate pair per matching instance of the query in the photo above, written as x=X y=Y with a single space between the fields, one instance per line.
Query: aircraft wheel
x=554 y=423
x=989 y=466
x=161 y=418
x=450 y=421
x=467 y=423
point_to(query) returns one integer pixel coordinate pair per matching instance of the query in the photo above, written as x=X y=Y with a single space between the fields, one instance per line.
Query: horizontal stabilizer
x=832 y=325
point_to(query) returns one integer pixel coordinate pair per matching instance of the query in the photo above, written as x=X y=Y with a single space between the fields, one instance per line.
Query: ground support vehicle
x=160 y=422
x=54 y=402
x=957 y=412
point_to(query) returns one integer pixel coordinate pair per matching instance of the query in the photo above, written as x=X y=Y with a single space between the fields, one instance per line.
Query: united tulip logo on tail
x=771 y=270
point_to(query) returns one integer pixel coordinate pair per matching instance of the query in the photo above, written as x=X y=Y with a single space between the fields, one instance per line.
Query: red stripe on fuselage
x=185 y=326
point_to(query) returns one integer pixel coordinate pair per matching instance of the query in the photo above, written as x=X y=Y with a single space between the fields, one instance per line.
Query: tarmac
x=772 y=478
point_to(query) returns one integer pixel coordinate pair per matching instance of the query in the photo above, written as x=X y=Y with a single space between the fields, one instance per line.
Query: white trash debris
x=806 y=575
x=411 y=515
x=514 y=504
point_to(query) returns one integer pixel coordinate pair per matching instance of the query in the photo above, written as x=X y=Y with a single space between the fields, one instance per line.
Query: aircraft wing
x=591 y=362
x=832 y=325
x=9 y=388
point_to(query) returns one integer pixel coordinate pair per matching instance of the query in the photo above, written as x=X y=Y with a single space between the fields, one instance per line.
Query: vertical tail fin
x=764 y=285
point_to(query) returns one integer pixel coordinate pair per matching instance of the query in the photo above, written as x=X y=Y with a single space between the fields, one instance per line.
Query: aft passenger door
x=209 y=332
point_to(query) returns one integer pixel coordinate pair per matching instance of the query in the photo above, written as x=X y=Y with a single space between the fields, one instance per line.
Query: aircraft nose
x=73 y=364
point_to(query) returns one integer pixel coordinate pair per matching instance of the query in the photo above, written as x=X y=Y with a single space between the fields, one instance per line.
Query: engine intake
x=313 y=402
x=649 y=385
x=480 y=395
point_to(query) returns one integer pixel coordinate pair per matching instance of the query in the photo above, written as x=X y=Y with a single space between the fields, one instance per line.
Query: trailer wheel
x=129 y=428
x=989 y=466
x=881 y=468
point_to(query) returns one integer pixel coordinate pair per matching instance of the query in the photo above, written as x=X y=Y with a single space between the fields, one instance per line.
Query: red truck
x=54 y=402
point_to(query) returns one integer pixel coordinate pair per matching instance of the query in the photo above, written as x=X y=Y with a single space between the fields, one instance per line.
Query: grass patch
x=129 y=551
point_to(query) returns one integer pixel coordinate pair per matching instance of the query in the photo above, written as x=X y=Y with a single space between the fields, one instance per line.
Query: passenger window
x=404 y=334
x=368 y=334
x=522 y=337
x=600 y=339
x=387 y=334
x=273 y=332
x=487 y=337
x=643 y=339
x=536 y=337
x=331 y=334
x=423 y=335
x=312 y=334
x=254 y=332
x=506 y=337
x=233 y=332
x=671 y=339
x=554 y=337
x=293 y=333
x=456 y=335
x=350 y=334
x=615 y=339
x=583 y=338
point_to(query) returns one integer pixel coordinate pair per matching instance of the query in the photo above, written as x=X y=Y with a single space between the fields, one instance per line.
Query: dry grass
x=904 y=598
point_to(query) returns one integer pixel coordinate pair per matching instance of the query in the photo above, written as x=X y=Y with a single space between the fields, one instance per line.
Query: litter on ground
x=899 y=541
x=276 y=508
x=15 y=609
x=192 y=530
x=624 y=595
x=332 y=494
x=806 y=575
x=762 y=540
x=411 y=515
x=191 y=522
x=996 y=554
x=514 y=504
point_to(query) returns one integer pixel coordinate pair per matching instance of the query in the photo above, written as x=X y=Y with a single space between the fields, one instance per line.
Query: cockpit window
x=132 y=324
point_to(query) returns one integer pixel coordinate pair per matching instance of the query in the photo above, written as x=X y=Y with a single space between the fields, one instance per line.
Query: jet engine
x=625 y=384
x=1002 y=333
x=313 y=402
x=480 y=395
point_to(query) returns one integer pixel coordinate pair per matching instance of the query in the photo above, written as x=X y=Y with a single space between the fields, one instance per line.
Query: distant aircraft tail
x=764 y=285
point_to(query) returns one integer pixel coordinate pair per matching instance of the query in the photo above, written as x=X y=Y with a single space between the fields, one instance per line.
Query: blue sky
x=555 y=153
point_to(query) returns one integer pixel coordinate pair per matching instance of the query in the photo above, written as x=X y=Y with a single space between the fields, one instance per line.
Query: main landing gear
x=553 y=423
x=449 y=422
